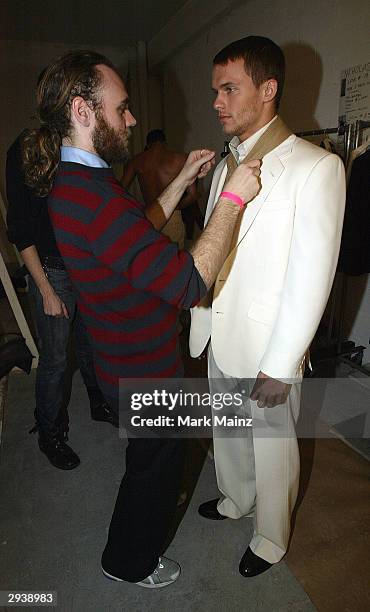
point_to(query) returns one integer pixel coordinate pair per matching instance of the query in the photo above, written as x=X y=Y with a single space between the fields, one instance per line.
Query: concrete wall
x=319 y=40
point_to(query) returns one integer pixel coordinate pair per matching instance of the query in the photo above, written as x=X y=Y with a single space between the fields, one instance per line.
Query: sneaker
x=166 y=572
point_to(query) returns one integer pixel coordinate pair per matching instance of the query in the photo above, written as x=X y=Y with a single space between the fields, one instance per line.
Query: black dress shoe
x=209 y=510
x=58 y=452
x=103 y=412
x=252 y=565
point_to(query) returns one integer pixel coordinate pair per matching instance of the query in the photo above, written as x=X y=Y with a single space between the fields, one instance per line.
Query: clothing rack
x=348 y=130
x=351 y=133
x=335 y=130
x=359 y=126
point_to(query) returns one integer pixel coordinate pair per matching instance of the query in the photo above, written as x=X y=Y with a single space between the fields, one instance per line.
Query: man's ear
x=269 y=90
x=81 y=112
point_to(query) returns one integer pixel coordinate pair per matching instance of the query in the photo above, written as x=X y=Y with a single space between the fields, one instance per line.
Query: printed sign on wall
x=354 y=102
x=355 y=93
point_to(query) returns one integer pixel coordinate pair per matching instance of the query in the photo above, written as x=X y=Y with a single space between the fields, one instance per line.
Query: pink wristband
x=233 y=197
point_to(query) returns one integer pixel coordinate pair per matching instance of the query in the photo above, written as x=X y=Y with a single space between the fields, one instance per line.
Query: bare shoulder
x=174 y=160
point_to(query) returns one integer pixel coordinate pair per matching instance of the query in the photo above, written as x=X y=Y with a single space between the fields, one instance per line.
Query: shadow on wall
x=176 y=124
x=355 y=295
x=302 y=86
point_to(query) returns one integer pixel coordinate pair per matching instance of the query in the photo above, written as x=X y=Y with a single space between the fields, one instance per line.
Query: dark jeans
x=145 y=506
x=54 y=334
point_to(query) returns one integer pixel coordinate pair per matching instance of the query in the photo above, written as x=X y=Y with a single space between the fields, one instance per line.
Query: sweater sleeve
x=123 y=239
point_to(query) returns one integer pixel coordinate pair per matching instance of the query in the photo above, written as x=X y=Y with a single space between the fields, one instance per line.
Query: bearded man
x=130 y=279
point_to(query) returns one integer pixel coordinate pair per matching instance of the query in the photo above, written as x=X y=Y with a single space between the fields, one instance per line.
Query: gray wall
x=319 y=38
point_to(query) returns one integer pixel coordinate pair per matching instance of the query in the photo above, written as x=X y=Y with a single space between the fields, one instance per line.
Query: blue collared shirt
x=80 y=156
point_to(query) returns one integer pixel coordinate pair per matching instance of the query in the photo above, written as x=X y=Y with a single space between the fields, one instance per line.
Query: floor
x=53 y=523
x=53 y=527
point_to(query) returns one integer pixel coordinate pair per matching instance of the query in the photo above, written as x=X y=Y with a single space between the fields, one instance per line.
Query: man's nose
x=217 y=104
x=130 y=119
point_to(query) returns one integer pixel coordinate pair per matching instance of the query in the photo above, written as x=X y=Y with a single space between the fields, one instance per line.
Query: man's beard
x=242 y=123
x=110 y=144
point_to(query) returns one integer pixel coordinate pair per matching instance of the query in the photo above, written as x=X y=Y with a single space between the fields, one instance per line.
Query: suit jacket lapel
x=216 y=186
x=272 y=172
x=273 y=167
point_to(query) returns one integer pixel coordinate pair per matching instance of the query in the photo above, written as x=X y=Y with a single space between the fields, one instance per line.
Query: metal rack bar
x=334 y=130
x=351 y=133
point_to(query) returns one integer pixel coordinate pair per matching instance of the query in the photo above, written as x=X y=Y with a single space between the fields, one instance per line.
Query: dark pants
x=53 y=335
x=145 y=506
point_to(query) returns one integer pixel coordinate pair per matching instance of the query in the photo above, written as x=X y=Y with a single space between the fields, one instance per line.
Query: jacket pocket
x=263 y=313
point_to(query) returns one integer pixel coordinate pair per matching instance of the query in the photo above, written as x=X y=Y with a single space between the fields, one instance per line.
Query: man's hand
x=269 y=392
x=197 y=165
x=245 y=180
x=53 y=305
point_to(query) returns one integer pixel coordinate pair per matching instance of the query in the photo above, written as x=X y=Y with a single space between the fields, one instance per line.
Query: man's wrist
x=233 y=197
x=45 y=287
x=228 y=206
x=180 y=184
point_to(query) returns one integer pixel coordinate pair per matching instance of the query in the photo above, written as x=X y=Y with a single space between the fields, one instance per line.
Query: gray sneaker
x=166 y=572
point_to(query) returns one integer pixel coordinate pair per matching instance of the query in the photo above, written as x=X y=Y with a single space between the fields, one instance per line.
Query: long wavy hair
x=73 y=74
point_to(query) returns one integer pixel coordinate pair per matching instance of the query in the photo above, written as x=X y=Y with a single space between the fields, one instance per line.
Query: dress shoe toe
x=252 y=565
x=209 y=510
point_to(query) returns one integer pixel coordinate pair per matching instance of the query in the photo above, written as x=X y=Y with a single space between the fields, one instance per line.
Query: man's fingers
x=65 y=311
x=205 y=168
x=207 y=154
x=271 y=402
x=253 y=163
x=254 y=394
x=269 y=392
x=201 y=156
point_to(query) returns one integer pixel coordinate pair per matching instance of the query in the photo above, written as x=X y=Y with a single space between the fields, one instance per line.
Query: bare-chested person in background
x=155 y=168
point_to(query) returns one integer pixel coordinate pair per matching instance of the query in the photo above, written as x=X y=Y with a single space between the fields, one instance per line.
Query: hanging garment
x=327 y=144
x=354 y=155
x=354 y=255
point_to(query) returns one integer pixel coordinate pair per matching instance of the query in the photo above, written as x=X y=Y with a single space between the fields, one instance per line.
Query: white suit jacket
x=267 y=309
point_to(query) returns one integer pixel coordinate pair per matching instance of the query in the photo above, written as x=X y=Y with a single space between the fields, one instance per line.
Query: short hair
x=263 y=60
x=155 y=136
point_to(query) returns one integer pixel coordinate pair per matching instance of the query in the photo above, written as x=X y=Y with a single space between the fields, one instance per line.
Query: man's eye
x=230 y=89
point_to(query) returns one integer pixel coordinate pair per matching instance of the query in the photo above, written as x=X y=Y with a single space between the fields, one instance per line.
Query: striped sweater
x=130 y=279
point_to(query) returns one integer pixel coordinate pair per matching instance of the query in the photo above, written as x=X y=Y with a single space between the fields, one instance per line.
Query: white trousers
x=258 y=471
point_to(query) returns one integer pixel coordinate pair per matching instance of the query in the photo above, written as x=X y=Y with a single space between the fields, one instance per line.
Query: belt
x=53 y=262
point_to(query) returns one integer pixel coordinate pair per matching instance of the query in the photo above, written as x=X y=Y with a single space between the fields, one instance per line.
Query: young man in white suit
x=270 y=295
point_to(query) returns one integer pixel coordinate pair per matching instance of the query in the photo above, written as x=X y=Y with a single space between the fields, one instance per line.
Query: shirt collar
x=80 y=156
x=240 y=150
